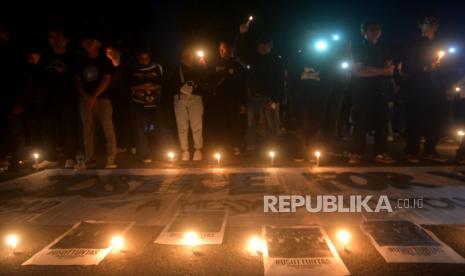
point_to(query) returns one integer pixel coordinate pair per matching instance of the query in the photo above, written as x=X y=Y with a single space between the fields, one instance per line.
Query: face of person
x=91 y=45
x=264 y=48
x=372 y=34
x=57 y=40
x=428 y=29
x=34 y=58
x=225 y=50
x=143 y=58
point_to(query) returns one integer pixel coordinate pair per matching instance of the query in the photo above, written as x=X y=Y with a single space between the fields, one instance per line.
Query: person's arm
x=244 y=54
x=381 y=71
x=79 y=87
x=103 y=85
x=362 y=71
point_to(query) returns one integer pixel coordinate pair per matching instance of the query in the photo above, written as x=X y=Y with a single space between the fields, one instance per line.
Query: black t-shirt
x=58 y=76
x=230 y=81
x=92 y=71
x=371 y=55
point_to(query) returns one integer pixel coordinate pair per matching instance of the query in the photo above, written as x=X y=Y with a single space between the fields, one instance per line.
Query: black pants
x=308 y=111
x=222 y=123
x=370 y=113
x=425 y=116
x=52 y=125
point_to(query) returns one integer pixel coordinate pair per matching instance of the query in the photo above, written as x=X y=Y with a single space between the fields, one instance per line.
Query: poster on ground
x=208 y=226
x=300 y=250
x=400 y=241
x=86 y=243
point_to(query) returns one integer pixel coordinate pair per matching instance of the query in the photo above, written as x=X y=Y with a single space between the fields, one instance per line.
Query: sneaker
x=237 y=151
x=384 y=158
x=45 y=164
x=146 y=160
x=298 y=159
x=197 y=155
x=355 y=159
x=87 y=165
x=185 y=156
x=411 y=158
x=110 y=165
x=69 y=164
x=435 y=158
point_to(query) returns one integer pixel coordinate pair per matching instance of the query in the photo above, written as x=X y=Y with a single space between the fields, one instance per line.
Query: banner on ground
x=86 y=243
x=400 y=241
x=300 y=250
x=208 y=226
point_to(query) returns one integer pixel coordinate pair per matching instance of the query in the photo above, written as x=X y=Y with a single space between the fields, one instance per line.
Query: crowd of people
x=245 y=97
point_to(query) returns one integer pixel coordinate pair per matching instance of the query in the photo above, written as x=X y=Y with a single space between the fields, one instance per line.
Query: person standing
x=425 y=101
x=266 y=86
x=223 y=110
x=372 y=67
x=61 y=103
x=145 y=83
x=189 y=83
x=92 y=78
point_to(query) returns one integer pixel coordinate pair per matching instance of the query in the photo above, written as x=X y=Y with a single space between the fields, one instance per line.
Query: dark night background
x=162 y=25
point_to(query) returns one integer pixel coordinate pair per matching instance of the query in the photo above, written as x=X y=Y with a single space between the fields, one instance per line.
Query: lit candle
x=272 y=154
x=12 y=241
x=36 y=160
x=218 y=158
x=441 y=54
x=171 y=156
x=317 y=155
x=191 y=239
x=344 y=238
x=255 y=245
x=117 y=244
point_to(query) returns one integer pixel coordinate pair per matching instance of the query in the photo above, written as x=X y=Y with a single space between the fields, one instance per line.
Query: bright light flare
x=255 y=245
x=12 y=241
x=250 y=18
x=457 y=89
x=321 y=45
x=191 y=238
x=35 y=155
x=344 y=237
x=452 y=50
x=271 y=154
x=117 y=243
x=217 y=157
x=171 y=156
x=460 y=133
x=200 y=54
x=344 y=65
x=441 y=54
x=336 y=37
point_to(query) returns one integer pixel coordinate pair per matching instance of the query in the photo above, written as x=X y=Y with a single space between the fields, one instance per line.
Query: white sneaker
x=45 y=164
x=69 y=164
x=185 y=156
x=110 y=166
x=197 y=155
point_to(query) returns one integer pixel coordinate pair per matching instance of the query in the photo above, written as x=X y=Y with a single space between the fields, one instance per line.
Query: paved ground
x=143 y=257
